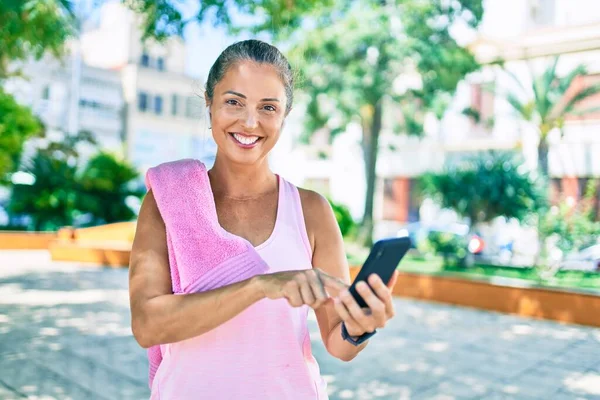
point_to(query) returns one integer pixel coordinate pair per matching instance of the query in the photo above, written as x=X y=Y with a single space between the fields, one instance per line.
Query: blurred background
x=471 y=126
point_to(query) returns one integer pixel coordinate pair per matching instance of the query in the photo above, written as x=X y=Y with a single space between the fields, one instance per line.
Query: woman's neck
x=241 y=181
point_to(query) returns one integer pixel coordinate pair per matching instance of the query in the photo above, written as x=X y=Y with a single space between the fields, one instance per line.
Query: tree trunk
x=370 y=146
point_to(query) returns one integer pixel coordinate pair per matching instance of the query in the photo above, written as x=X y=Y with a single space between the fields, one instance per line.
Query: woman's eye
x=232 y=102
x=270 y=108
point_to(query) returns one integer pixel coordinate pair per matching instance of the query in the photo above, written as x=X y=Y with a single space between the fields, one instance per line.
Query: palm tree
x=545 y=103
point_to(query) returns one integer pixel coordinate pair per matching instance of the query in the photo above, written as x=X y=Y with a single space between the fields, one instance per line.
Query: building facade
x=97 y=107
x=165 y=116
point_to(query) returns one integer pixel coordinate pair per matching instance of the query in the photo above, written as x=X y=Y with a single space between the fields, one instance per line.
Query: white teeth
x=245 y=139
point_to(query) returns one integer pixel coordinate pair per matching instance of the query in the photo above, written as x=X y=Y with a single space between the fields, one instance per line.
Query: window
x=145 y=60
x=158 y=103
x=142 y=101
x=174 y=104
x=160 y=64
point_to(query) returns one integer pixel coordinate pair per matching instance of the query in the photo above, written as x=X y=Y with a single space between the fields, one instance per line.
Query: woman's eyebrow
x=244 y=97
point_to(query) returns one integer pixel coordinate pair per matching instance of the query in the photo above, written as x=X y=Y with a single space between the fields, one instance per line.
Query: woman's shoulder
x=317 y=211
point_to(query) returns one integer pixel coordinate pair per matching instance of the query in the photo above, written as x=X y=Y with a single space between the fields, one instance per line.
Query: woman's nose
x=249 y=120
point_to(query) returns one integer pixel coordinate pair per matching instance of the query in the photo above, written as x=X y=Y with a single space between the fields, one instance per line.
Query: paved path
x=64 y=334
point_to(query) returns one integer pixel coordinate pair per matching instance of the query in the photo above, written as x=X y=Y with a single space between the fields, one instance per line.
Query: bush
x=452 y=247
x=343 y=217
x=485 y=187
x=573 y=227
x=104 y=186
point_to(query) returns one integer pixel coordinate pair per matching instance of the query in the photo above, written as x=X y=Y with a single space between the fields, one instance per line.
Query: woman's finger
x=352 y=326
x=365 y=321
x=318 y=288
x=334 y=286
x=393 y=280
x=383 y=293
x=292 y=294
x=375 y=304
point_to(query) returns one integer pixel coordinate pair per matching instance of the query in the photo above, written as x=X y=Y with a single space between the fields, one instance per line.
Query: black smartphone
x=383 y=261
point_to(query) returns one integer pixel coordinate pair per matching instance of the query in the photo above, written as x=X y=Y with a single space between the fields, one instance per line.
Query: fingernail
x=361 y=285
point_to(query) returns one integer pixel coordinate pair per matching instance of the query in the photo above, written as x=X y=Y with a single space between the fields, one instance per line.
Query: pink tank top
x=262 y=353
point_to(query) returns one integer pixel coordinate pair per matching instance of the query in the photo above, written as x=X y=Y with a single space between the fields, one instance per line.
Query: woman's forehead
x=252 y=79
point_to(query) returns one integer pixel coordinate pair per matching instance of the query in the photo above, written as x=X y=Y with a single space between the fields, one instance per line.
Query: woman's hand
x=312 y=287
x=379 y=299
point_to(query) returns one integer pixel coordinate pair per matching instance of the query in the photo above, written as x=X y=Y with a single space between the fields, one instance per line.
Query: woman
x=250 y=339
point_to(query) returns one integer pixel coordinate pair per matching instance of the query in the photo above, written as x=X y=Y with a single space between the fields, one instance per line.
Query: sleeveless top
x=262 y=353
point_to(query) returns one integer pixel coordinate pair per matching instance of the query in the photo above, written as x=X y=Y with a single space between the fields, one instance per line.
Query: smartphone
x=383 y=261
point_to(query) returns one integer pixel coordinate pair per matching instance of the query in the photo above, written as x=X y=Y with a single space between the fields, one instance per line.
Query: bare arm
x=328 y=255
x=157 y=315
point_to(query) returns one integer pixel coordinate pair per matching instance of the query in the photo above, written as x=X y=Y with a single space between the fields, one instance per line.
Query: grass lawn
x=434 y=266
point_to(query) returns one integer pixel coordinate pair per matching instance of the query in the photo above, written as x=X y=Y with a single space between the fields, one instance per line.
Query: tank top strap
x=291 y=216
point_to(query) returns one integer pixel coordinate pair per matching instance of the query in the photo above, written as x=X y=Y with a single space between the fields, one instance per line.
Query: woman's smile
x=244 y=140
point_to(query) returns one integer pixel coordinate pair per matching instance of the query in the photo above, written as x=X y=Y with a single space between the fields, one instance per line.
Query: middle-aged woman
x=249 y=339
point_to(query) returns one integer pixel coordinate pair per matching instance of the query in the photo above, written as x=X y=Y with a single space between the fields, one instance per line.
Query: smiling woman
x=215 y=336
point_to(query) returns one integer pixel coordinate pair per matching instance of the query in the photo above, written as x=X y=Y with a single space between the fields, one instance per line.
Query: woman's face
x=247 y=112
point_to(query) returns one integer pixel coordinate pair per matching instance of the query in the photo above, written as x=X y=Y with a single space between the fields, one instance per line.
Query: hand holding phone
x=368 y=305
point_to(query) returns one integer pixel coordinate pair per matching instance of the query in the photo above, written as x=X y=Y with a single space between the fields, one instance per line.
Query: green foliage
x=343 y=217
x=472 y=113
x=545 y=104
x=17 y=124
x=50 y=201
x=349 y=62
x=453 y=248
x=104 y=188
x=573 y=227
x=61 y=192
x=31 y=28
x=279 y=18
x=486 y=187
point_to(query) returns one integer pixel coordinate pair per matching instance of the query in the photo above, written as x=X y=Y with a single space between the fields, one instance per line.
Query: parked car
x=587 y=259
x=471 y=244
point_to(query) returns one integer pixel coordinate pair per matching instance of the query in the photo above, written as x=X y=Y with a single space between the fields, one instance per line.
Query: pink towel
x=202 y=255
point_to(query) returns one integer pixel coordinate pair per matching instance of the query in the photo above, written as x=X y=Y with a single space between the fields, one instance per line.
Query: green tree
x=351 y=59
x=105 y=186
x=17 y=124
x=486 y=187
x=545 y=104
x=30 y=29
x=50 y=200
